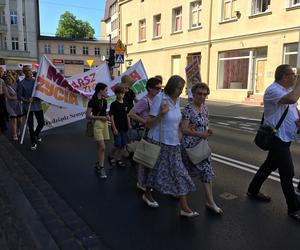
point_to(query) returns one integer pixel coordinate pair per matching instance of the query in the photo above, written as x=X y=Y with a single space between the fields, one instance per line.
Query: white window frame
x=285 y=53
x=85 y=50
x=294 y=3
x=13 y=17
x=142 y=26
x=232 y=4
x=47 y=48
x=156 y=23
x=60 y=49
x=196 y=10
x=97 y=52
x=257 y=6
x=72 y=50
x=175 y=17
x=129 y=34
x=15 y=43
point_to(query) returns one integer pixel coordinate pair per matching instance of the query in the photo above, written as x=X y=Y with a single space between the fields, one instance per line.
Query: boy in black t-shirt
x=120 y=125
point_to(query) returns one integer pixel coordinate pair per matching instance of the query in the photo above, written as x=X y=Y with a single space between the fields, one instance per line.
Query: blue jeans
x=120 y=140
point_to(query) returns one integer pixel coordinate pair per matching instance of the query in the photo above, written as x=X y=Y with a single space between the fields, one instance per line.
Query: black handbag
x=265 y=134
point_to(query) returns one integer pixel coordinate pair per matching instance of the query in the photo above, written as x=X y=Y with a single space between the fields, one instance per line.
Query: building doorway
x=260 y=69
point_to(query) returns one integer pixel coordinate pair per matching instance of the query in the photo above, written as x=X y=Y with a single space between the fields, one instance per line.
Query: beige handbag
x=146 y=153
x=199 y=153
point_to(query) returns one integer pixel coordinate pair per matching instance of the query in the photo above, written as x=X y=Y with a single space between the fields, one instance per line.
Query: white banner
x=138 y=73
x=51 y=86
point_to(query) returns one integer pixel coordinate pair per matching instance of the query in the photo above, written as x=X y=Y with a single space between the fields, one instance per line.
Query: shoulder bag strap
x=282 y=118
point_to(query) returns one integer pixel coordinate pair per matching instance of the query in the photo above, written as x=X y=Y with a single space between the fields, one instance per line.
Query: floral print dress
x=202 y=170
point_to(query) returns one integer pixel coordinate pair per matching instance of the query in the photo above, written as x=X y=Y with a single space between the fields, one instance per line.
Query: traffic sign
x=119 y=58
x=90 y=62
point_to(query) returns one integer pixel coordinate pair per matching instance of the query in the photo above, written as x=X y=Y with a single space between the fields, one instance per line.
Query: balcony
x=2 y=2
x=14 y=53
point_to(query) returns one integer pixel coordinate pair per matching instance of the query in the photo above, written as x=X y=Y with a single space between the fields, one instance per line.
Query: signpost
x=119 y=52
x=90 y=62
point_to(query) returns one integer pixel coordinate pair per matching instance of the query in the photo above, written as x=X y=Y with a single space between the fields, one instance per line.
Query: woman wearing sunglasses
x=195 y=128
x=139 y=114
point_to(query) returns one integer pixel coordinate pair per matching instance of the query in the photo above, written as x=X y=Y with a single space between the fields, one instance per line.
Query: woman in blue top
x=169 y=175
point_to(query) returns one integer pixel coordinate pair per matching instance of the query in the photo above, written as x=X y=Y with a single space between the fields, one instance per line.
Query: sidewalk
x=33 y=216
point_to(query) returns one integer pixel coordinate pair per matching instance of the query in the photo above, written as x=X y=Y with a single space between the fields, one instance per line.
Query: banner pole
x=25 y=124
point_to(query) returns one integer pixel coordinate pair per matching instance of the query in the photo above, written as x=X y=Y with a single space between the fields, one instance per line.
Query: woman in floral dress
x=195 y=128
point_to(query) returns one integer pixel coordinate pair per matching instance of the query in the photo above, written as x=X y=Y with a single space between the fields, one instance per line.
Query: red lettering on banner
x=93 y=75
x=135 y=75
x=87 y=80
x=80 y=82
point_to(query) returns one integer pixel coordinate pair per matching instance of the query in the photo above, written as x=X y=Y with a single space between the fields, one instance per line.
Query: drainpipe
x=209 y=41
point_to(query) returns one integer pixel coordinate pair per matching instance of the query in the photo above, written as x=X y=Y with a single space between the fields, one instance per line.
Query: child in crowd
x=120 y=125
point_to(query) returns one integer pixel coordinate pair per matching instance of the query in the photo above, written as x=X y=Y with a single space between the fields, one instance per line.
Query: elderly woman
x=139 y=113
x=169 y=175
x=195 y=128
x=13 y=106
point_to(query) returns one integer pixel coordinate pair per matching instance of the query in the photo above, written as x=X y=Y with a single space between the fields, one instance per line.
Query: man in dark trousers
x=24 y=91
x=283 y=92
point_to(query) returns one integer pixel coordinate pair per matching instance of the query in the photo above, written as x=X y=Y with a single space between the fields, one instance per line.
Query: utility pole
x=298 y=55
x=111 y=58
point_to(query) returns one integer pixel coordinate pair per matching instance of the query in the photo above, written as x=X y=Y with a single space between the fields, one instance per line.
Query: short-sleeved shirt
x=119 y=111
x=142 y=107
x=129 y=98
x=170 y=121
x=98 y=106
x=273 y=110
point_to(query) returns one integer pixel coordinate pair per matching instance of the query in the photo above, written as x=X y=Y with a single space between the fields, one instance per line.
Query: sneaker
x=33 y=146
x=102 y=173
x=15 y=137
x=39 y=139
x=259 y=197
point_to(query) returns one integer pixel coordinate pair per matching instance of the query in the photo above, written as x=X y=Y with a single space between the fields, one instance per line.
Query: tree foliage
x=71 y=27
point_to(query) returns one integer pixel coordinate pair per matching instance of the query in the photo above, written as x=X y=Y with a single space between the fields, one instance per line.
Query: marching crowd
x=158 y=120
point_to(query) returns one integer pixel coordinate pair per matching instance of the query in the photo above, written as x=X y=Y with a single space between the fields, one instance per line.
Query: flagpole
x=25 y=124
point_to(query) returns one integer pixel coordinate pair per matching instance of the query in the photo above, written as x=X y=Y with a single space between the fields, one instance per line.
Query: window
x=60 y=48
x=97 y=51
x=15 y=43
x=156 y=26
x=113 y=9
x=177 y=19
x=13 y=17
x=228 y=12
x=129 y=33
x=85 y=50
x=290 y=54
x=23 y=18
x=114 y=24
x=2 y=17
x=294 y=3
x=195 y=14
x=47 y=48
x=25 y=44
x=142 y=30
x=260 y=6
x=73 y=50
x=233 y=69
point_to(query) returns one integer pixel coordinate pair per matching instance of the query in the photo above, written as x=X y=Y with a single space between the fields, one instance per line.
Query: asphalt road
x=115 y=210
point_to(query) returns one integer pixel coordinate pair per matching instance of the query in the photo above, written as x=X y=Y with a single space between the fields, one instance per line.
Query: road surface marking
x=223 y=123
x=247 y=128
x=246 y=167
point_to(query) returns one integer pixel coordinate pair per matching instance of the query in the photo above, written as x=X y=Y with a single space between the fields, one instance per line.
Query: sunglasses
x=201 y=94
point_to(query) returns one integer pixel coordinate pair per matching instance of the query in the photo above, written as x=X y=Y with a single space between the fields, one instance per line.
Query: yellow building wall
x=272 y=30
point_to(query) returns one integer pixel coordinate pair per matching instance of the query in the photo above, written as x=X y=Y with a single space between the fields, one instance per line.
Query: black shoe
x=259 y=197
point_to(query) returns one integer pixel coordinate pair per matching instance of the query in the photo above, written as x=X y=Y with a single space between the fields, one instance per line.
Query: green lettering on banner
x=139 y=87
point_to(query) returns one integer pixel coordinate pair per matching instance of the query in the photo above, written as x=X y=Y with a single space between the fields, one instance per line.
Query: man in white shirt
x=282 y=93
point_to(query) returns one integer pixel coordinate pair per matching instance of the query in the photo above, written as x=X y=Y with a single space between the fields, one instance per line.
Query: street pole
x=298 y=55
x=110 y=48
